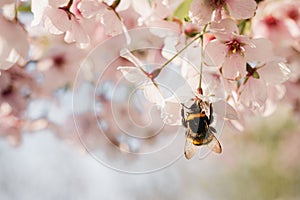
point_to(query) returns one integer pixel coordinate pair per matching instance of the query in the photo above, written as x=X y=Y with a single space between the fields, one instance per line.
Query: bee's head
x=196 y=108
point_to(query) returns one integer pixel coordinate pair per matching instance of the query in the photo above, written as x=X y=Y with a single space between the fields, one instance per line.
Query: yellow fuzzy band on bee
x=197 y=142
x=194 y=141
x=193 y=116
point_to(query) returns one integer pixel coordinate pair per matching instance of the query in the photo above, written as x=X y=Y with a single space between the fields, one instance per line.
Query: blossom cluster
x=244 y=54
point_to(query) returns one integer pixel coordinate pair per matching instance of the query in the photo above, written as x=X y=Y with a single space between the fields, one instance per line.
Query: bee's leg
x=211 y=117
x=184 y=122
x=212 y=129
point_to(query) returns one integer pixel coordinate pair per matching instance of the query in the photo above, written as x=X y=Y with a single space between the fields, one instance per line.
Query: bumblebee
x=197 y=121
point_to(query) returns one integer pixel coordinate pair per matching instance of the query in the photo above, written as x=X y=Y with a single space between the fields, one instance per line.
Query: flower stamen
x=234 y=46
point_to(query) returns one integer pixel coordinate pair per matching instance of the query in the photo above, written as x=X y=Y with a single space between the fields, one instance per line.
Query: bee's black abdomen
x=199 y=125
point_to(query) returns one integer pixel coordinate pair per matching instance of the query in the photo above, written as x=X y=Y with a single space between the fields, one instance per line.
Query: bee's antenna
x=184 y=106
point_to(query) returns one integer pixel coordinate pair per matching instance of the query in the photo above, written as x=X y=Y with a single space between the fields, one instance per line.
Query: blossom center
x=59 y=61
x=217 y=3
x=271 y=21
x=234 y=46
x=7 y=91
x=293 y=14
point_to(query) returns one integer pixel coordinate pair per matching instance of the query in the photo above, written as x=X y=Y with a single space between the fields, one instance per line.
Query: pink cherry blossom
x=141 y=77
x=13 y=44
x=3 y=2
x=293 y=96
x=58 y=18
x=254 y=91
x=60 y=62
x=155 y=13
x=278 y=20
x=16 y=87
x=110 y=18
x=10 y=125
x=50 y=79
x=202 y=11
x=151 y=11
x=231 y=51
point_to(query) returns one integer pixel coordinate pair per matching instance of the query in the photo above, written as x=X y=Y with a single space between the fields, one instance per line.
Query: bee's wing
x=215 y=145
x=189 y=148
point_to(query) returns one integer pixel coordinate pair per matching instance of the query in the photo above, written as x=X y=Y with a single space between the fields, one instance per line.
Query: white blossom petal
x=90 y=8
x=201 y=12
x=254 y=94
x=182 y=94
x=77 y=34
x=233 y=66
x=223 y=30
x=124 y=5
x=112 y=24
x=58 y=3
x=260 y=50
x=171 y=113
x=13 y=44
x=3 y=2
x=275 y=73
x=132 y=74
x=125 y=53
x=37 y=8
x=225 y=110
x=241 y=9
x=142 y=7
x=56 y=20
x=215 y=52
x=153 y=94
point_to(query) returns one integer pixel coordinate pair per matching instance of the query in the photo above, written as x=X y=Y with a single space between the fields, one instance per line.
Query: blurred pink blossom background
x=91 y=93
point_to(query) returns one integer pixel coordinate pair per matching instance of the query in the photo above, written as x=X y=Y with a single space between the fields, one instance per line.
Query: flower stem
x=69 y=4
x=179 y=52
x=201 y=57
x=16 y=13
x=114 y=10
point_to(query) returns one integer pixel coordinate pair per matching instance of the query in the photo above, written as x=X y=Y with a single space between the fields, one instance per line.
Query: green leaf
x=24 y=7
x=244 y=26
x=249 y=69
x=183 y=9
x=255 y=75
x=187 y=19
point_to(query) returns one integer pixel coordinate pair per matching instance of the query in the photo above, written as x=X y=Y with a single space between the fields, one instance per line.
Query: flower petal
x=56 y=20
x=112 y=25
x=153 y=94
x=181 y=94
x=3 y=2
x=77 y=34
x=260 y=50
x=254 y=94
x=275 y=72
x=57 y=3
x=233 y=66
x=200 y=12
x=90 y=8
x=215 y=52
x=225 y=110
x=241 y=9
x=132 y=74
x=171 y=113
x=223 y=30
x=37 y=8
x=125 y=53
x=13 y=44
